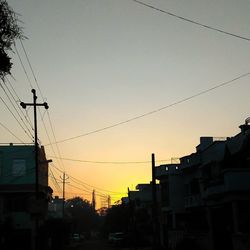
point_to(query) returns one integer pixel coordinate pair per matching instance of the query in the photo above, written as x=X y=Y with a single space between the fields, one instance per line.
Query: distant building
x=55 y=209
x=19 y=208
x=142 y=196
x=171 y=202
x=140 y=204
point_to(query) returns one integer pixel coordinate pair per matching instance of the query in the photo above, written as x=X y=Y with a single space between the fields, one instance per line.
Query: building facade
x=22 y=210
x=205 y=200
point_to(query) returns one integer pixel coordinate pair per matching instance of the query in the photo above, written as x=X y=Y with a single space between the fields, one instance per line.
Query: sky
x=103 y=62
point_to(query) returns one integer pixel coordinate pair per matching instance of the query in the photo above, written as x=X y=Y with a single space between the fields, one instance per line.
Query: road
x=92 y=245
x=98 y=245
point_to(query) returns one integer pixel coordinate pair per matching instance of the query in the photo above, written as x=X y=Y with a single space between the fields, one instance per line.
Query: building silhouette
x=22 y=211
x=205 y=199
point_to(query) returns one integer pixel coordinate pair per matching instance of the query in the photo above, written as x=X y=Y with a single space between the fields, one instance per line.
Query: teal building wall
x=17 y=164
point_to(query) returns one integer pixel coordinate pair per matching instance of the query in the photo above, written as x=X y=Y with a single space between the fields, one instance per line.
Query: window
x=18 y=167
x=16 y=204
x=1 y=164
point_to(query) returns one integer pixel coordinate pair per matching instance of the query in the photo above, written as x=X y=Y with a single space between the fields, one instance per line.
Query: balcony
x=193 y=201
x=234 y=180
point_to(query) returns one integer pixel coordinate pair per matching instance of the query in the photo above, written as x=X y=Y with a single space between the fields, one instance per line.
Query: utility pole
x=45 y=105
x=35 y=104
x=63 y=181
x=93 y=200
x=154 y=208
x=109 y=201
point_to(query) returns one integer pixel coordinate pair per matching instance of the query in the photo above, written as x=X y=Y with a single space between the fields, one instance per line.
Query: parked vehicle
x=117 y=238
x=76 y=237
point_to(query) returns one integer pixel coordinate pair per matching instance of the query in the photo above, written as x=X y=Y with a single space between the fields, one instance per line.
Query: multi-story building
x=206 y=198
x=141 y=217
x=171 y=205
x=22 y=210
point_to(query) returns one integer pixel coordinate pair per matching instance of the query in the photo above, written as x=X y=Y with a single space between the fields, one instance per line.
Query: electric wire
x=21 y=62
x=39 y=89
x=26 y=116
x=15 y=118
x=31 y=68
x=55 y=181
x=115 y=162
x=17 y=112
x=156 y=110
x=12 y=133
x=84 y=183
x=97 y=188
x=47 y=133
x=191 y=21
x=104 y=196
x=57 y=147
x=86 y=191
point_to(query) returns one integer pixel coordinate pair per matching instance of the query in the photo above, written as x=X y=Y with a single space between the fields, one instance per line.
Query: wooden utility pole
x=63 y=181
x=154 y=208
x=35 y=104
x=45 y=105
x=93 y=200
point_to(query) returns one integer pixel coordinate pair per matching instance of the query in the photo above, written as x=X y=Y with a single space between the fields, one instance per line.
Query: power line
x=31 y=68
x=15 y=117
x=156 y=110
x=47 y=133
x=53 y=179
x=191 y=21
x=112 y=162
x=104 y=196
x=13 y=105
x=85 y=190
x=86 y=184
x=21 y=62
x=27 y=118
x=53 y=133
x=35 y=79
x=11 y=133
x=97 y=188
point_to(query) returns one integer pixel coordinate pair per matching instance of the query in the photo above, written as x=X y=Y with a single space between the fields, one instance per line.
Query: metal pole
x=36 y=143
x=63 y=194
x=153 y=201
x=35 y=104
x=154 y=208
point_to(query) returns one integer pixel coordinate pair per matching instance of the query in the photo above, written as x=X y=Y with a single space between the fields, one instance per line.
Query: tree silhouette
x=9 y=31
x=82 y=215
x=117 y=218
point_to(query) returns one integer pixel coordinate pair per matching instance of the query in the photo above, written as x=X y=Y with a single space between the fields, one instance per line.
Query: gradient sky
x=100 y=62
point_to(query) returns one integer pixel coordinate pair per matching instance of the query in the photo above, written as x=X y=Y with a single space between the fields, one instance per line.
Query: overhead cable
x=156 y=110
x=12 y=133
x=15 y=117
x=113 y=162
x=191 y=21
x=84 y=183
x=14 y=106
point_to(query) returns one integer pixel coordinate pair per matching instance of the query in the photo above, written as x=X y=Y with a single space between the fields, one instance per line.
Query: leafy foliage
x=9 y=31
x=84 y=218
x=117 y=218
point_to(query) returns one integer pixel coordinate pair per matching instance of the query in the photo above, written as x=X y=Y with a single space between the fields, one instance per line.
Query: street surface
x=98 y=245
